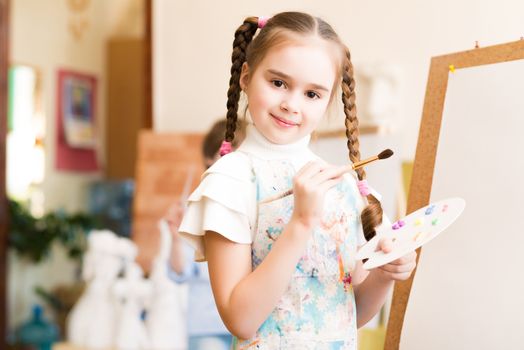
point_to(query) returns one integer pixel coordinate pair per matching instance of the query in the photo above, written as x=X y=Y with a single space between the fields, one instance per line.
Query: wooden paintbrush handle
x=346 y=169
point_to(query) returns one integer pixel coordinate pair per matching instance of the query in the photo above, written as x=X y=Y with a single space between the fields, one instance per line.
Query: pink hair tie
x=363 y=187
x=225 y=148
x=262 y=20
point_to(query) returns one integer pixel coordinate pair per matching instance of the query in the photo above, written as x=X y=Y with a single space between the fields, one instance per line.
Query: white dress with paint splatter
x=317 y=311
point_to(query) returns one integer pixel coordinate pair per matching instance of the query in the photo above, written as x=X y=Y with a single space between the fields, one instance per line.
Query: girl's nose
x=290 y=104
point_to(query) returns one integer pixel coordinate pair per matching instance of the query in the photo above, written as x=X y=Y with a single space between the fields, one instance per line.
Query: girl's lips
x=283 y=122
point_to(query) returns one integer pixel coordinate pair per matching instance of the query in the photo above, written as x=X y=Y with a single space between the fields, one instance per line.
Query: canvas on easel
x=464 y=294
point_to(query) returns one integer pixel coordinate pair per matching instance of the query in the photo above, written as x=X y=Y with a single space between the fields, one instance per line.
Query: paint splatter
x=430 y=209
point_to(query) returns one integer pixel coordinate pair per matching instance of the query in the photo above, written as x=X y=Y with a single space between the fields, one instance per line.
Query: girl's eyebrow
x=287 y=77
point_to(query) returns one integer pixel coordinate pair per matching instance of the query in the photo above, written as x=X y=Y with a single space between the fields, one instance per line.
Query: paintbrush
x=163 y=223
x=382 y=155
x=187 y=185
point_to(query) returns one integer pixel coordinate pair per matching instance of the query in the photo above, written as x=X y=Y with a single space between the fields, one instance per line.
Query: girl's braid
x=243 y=36
x=372 y=214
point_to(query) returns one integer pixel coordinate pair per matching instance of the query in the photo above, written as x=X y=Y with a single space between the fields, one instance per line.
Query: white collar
x=259 y=145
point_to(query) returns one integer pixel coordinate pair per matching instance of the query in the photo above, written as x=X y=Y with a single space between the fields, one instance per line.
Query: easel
x=164 y=160
x=420 y=189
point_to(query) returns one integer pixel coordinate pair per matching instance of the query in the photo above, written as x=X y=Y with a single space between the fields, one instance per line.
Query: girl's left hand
x=399 y=269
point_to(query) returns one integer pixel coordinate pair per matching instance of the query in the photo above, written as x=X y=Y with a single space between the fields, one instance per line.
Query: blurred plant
x=33 y=237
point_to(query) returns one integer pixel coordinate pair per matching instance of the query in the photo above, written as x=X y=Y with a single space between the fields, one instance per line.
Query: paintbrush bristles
x=382 y=155
x=385 y=154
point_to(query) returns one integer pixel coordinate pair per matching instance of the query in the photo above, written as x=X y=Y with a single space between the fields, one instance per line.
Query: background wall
x=193 y=40
x=39 y=37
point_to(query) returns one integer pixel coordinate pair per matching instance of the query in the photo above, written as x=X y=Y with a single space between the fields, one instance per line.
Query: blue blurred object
x=38 y=332
x=111 y=202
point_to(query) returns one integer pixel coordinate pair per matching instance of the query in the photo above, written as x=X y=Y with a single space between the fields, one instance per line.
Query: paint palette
x=413 y=231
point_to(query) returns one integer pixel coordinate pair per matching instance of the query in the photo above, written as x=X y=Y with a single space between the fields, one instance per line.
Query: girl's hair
x=215 y=136
x=287 y=27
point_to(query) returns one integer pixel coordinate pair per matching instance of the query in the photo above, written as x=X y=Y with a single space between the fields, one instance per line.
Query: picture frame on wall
x=76 y=141
x=77 y=97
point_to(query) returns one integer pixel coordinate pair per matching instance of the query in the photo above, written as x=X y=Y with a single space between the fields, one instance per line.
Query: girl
x=283 y=272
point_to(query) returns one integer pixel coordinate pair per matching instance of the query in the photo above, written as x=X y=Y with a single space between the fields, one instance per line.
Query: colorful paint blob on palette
x=420 y=221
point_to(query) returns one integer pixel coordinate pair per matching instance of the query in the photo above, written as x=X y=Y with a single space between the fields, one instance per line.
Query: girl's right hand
x=310 y=185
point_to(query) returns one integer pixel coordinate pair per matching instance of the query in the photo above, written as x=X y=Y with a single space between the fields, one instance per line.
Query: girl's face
x=290 y=90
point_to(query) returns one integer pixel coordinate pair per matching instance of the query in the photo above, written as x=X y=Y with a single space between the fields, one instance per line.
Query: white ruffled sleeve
x=224 y=202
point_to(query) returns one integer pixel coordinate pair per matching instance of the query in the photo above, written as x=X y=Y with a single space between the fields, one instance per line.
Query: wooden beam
x=148 y=65
x=4 y=59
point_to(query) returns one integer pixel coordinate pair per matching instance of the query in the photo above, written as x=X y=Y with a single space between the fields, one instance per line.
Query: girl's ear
x=244 y=76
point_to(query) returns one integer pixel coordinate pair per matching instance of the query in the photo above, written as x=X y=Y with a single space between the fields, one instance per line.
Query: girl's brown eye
x=278 y=83
x=312 y=94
